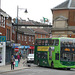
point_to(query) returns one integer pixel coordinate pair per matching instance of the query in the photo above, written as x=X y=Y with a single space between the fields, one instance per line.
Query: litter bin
x=16 y=62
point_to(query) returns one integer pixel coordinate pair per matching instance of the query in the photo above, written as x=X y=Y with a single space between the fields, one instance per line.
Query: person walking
x=18 y=57
x=12 y=62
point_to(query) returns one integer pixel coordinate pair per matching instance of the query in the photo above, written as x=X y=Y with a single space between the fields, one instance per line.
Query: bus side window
x=39 y=42
x=46 y=42
x=43 y=42
x=74 y=44
x=51 y=42
x=56 y=42
x=57 y=56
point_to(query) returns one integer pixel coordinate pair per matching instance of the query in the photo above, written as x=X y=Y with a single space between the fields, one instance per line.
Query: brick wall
x=71 y=20
x=62 y=12
x=27 y=42
x=70 y=14
x=3 y=31
x=39 y=36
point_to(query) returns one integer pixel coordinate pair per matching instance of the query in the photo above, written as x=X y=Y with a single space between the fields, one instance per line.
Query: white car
x=30 y=58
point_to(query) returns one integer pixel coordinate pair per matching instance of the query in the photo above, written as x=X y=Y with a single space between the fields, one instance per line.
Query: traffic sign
x=16 y=49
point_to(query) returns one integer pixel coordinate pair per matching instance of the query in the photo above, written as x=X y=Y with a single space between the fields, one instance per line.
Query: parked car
x=30 y=58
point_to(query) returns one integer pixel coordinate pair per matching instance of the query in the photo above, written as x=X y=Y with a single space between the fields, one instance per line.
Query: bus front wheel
x=68 y=68
x=52 y=65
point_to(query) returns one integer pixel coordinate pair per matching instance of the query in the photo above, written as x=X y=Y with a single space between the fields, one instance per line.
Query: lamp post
x=17 y=20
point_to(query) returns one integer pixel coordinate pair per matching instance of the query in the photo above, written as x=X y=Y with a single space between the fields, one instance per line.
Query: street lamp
x=17 y=19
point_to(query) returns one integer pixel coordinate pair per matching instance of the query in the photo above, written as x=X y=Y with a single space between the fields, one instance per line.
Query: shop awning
x=31 y=47
x=22 y=46
x=27 y=47
x=15 y=45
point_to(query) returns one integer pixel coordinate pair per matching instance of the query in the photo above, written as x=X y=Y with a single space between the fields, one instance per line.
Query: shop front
x=9 y=51
x=2 y=50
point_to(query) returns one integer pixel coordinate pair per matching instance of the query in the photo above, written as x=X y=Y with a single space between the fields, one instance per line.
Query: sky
x=37 y=9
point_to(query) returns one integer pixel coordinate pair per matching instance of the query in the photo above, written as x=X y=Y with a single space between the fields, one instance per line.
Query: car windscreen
x=31 y=55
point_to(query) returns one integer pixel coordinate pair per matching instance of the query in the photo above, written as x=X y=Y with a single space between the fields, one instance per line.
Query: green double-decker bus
x=55 y=52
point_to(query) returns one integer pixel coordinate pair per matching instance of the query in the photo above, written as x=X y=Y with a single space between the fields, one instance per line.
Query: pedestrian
x=18 y=57
x=12 y=62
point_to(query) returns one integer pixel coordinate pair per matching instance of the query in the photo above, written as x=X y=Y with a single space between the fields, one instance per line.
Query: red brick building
x=27 y=35
x=28 y=32
x=5 y=25
x=6 y=30
x=40 y=33
x=64 y=19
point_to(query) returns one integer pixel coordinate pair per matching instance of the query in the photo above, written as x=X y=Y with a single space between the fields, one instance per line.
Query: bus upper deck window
x=56 y=42
x=51 y=42
x=39 y=42
x=43 y=42
x=46 y=42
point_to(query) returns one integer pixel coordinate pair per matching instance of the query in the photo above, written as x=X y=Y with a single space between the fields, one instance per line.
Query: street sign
x=16 y=49
x=2 y=38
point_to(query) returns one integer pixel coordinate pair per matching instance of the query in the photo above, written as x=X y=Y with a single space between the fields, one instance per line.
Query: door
x=0 y=55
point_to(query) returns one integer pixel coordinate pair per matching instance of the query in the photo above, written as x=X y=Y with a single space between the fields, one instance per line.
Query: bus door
x=50 y=53
x=51 y=49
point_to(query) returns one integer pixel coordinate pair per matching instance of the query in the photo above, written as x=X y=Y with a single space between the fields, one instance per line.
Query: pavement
x=7 y=68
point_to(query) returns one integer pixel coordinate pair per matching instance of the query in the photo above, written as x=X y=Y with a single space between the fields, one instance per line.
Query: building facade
x=5 y=30
x=64 y=19
x=27 y=35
